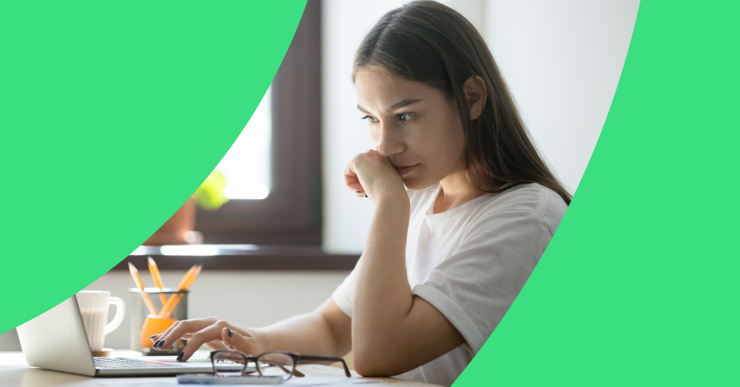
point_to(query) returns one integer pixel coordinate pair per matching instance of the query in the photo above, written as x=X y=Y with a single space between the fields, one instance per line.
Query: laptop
x=56 y=340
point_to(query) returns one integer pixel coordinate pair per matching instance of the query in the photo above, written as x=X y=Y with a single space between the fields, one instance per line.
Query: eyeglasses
x=278 y=364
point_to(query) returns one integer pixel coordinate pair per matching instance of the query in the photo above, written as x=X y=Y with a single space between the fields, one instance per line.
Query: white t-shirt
x=470 y=263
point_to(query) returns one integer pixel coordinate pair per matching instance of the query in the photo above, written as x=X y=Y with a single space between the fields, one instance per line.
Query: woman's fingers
x=162 y=335
x=370 y=172
x=180 y=330
x=353 y=182
x=195 y=323
x=156 y=338
x=215 y=334
x=201 y=337
x=352 y=179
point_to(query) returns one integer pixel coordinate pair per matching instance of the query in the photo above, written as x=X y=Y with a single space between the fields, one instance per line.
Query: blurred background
x=290 y=231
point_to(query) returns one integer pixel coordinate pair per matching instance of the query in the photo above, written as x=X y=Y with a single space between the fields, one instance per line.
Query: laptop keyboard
x=123 y=362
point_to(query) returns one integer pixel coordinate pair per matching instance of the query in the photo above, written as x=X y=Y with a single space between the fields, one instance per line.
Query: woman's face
x=416 y=126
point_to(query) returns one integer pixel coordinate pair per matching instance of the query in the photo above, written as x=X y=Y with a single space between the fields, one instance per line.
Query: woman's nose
x=389 y=142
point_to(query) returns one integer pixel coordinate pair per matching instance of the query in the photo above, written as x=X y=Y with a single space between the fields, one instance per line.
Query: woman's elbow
x=376 y=362
x=368 y=365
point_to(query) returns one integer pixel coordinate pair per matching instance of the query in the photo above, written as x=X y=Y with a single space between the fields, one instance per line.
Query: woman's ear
x=476 y=95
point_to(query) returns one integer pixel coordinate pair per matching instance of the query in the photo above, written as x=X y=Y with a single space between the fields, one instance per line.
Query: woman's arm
x=324 y=332
x=393 y=331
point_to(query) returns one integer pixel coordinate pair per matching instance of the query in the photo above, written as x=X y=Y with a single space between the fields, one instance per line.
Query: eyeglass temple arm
x=287 y=371
x=322 y=358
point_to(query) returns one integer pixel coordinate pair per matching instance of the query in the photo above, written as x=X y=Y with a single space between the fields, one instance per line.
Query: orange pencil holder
x=145 y=324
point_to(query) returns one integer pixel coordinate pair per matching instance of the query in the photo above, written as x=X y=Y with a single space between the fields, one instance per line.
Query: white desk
x=15 y=372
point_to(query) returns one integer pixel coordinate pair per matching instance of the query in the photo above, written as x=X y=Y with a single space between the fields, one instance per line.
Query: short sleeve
x=475 y=286
x=344 y=294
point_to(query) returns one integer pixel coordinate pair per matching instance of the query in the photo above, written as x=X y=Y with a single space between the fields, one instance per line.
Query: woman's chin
x=416 y=184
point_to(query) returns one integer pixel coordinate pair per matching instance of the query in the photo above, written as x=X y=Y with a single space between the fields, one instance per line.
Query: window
x=247 y=166
x=291 y=213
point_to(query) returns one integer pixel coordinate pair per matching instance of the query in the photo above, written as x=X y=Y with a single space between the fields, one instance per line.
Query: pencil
x=188 y=280
x=157 y=279
x=193 y=276
x=140 y=285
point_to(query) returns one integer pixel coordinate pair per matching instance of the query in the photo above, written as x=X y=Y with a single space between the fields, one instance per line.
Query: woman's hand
x=214 y=333
x=373 y=175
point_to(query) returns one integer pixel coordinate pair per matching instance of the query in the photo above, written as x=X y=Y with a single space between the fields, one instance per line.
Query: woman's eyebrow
x=395 y=106
x=402 y=104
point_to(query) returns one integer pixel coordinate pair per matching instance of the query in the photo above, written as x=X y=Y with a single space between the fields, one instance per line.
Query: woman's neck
x=456 y=190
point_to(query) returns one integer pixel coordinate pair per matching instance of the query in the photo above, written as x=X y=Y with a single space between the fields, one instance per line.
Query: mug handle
x=120 y=312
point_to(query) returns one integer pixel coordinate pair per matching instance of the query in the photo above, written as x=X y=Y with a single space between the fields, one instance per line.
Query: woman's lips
x=406 y=170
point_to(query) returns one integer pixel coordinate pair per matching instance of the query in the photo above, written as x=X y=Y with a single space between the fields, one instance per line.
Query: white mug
x=94 y=309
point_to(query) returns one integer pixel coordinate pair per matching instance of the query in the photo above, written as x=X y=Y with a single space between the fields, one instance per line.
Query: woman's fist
x=373 y=175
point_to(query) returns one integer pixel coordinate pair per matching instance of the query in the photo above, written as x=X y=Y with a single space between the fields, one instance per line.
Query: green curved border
x=113 y=114
x=639 y=286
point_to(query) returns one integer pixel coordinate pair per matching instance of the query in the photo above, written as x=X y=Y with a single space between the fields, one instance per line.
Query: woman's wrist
x=390 y=193
x=389 y=226
x=394 y=202
x=263 y=338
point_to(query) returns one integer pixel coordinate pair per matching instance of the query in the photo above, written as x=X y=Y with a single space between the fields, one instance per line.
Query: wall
x=562 y=61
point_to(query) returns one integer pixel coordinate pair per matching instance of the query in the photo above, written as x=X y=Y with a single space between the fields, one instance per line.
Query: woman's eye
x=404 y=117
x=370 y=118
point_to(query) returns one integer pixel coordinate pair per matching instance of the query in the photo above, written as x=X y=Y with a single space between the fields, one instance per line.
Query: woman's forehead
x=382 y=90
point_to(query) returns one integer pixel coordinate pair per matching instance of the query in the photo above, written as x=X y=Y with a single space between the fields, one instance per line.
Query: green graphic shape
x=113 y=113
x=640 y=285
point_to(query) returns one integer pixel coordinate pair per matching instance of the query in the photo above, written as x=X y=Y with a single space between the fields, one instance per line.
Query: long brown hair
x=428 y=42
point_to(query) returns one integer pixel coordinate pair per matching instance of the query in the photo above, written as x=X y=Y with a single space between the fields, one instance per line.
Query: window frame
x=292 y=213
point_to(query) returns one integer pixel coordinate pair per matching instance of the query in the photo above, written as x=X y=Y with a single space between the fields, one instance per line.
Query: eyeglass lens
x=226 y=364
x=276 y=364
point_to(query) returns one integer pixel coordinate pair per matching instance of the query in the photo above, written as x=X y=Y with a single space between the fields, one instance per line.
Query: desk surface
x=14 y=371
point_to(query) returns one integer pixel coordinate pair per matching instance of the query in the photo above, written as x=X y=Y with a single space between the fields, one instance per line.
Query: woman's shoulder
x=530 y=200
x=528 y=197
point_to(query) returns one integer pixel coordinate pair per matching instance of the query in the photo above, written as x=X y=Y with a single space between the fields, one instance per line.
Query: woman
x=464 y=208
